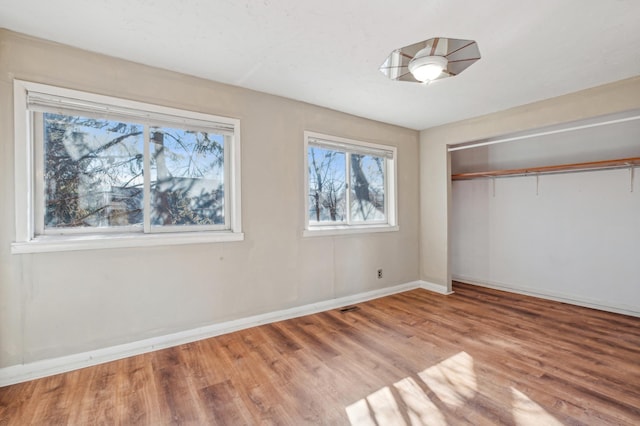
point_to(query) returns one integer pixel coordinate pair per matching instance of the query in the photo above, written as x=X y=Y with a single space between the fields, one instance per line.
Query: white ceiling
x=328 y=52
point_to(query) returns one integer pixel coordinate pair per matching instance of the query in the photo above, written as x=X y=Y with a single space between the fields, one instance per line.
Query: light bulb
x=427 y=68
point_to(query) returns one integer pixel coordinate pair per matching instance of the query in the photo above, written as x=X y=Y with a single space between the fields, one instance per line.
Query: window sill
x=43 y=244
x=326 y=231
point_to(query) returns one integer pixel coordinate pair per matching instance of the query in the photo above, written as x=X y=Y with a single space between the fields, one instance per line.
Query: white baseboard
x=625 y=310
x=437 y=288
x=48 y=367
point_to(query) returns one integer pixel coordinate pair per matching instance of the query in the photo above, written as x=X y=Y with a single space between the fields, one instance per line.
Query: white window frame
x=29 y=234
x=352 y=146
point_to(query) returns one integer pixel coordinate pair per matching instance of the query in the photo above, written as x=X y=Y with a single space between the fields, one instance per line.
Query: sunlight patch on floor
x=527 y=413
x=452 y=380
x=379 y=408
x=454 y=385
x=420 y=409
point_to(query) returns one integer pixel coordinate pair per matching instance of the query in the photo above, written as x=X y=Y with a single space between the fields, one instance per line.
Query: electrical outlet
x=379 y=273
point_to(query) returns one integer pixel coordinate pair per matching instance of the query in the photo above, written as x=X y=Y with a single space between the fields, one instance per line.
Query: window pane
x=327 y=185
x=187 y=177
x=367 y=188
x=92 y=172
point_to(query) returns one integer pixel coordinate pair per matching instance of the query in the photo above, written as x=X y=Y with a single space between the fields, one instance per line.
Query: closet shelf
x=561 y=168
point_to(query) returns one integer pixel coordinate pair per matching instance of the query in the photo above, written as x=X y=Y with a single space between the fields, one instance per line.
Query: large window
x=103 y=171
x=350 y=185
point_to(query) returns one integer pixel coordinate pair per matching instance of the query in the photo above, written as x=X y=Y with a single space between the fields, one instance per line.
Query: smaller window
x=349 y=185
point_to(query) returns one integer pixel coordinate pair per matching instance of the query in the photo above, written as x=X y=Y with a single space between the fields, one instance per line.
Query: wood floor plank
x=479 y=356
x=136 y=392
x=15 y=402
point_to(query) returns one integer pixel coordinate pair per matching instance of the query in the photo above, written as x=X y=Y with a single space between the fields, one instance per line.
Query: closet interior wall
x=568 y=236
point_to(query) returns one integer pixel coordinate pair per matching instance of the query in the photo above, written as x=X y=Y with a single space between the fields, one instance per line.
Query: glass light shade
x=455 y=56
x=427 y=68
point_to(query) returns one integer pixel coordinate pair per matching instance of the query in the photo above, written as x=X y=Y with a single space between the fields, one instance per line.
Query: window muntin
x=350 y=184
x=98 y=147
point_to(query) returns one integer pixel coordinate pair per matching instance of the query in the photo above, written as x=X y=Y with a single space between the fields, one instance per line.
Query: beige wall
x=54 y=304
x=435 y=189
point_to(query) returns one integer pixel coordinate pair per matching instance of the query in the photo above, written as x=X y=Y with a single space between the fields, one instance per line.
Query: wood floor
x=476 y=357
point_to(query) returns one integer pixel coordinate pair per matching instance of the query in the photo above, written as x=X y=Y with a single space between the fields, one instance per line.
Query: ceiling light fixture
x=426 y=67
x=430 y=60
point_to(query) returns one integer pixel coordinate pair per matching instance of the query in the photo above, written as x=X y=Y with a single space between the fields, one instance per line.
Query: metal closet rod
x=560 y=168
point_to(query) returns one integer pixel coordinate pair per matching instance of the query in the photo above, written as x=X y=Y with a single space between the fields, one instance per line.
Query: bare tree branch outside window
x=328 y=186
x=93 y=174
